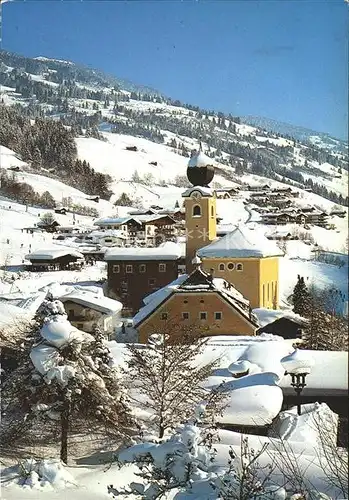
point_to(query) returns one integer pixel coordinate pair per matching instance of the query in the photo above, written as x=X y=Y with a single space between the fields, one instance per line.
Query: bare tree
x=326 y=329
x=333 y=459
x=166 y=377
x=47 y=219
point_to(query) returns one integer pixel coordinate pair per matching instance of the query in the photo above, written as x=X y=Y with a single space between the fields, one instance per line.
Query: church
x=225 y=277
x=242 y=257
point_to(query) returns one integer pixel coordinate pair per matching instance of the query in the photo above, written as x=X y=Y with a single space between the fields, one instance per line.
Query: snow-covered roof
x=199 y=160
x=105 y=221
x=159 y=295
x=93 y=301
x=203 y=190
x=166 y=251
x=117 y=233
x=253 y=400
x=266 y=316
x=241 y=242
x=139 y=219
x=53 y=253
x=197 y=282
x=328 y=375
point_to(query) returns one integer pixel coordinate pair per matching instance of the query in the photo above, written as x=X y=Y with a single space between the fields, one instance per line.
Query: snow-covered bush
x=171 y=465
x=187 y=466
x=68 y=378
x=43 y=474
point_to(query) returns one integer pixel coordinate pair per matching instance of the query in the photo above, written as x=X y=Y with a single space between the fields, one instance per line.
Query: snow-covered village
x=173 y=295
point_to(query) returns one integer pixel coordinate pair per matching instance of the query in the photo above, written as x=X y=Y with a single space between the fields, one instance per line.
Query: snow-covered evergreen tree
x=67 y=378
x=300 y=297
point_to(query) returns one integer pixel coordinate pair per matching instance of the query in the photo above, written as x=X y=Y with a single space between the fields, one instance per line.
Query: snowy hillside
x=140 y=141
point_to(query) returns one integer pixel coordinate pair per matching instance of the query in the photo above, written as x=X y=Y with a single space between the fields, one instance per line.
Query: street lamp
x=298 y=364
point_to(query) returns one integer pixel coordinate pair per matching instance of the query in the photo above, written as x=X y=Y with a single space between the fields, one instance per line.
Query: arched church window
x=212 y=211
x=221 y=267
x=196 y=211
x=239 y=267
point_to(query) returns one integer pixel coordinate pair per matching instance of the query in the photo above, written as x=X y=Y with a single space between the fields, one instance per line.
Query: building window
x=196 y=211
x=202 y=301
x=151 y=281
x=142 y=268
x=129 y=269
x=217 y=315
x=263 y=301
x=185 y=315
x=185 y=301
x=268 y=294
x=221 y=267
x=212 y=211
x=164 y=316
x=116 y=269
x=239 y=267
x=203 y=315
x=231 y=266
x=162 y=268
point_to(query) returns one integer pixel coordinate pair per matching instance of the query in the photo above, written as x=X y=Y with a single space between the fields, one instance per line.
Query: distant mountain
x=71 y=70
x=92 y=105
x=303 y=134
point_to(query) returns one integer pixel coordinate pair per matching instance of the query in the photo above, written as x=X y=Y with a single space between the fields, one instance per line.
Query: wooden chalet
x=55 y=260
x=226 y=193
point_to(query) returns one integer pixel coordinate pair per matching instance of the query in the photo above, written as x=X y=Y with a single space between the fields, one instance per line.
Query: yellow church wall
x=252 y=281
x=201 y=229
x=231 y=323
x=269 y=282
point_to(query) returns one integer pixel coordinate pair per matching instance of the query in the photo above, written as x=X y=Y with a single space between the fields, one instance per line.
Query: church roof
x=241 y=242
x=205 y=191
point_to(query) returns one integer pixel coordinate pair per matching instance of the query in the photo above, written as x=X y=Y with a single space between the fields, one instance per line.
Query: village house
x=226 y=193
x=306 y=215
x=109 y=237
x=87 y=310
x=135 y=272
x=49 y=227
x=256 y=187
x=287 y=327
x=210 y=305
x=56 y=259
x=144 y=227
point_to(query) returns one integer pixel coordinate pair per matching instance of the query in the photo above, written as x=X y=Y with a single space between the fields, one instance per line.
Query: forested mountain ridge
x=81 y=102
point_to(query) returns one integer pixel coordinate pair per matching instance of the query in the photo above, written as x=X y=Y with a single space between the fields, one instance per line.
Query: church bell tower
x=200 y=206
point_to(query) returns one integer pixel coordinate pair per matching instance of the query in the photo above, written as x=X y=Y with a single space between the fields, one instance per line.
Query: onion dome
x=200 y=170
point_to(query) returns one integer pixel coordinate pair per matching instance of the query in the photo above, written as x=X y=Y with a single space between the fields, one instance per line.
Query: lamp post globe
x=298 y=365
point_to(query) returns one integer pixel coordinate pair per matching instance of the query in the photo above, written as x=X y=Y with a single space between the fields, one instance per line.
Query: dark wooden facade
x=287 y=328
x=131 y=280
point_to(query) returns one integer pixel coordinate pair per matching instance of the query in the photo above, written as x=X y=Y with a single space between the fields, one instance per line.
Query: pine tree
x=301 y=297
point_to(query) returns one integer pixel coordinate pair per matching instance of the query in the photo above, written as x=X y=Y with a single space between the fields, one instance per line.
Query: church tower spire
x=200 y=205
